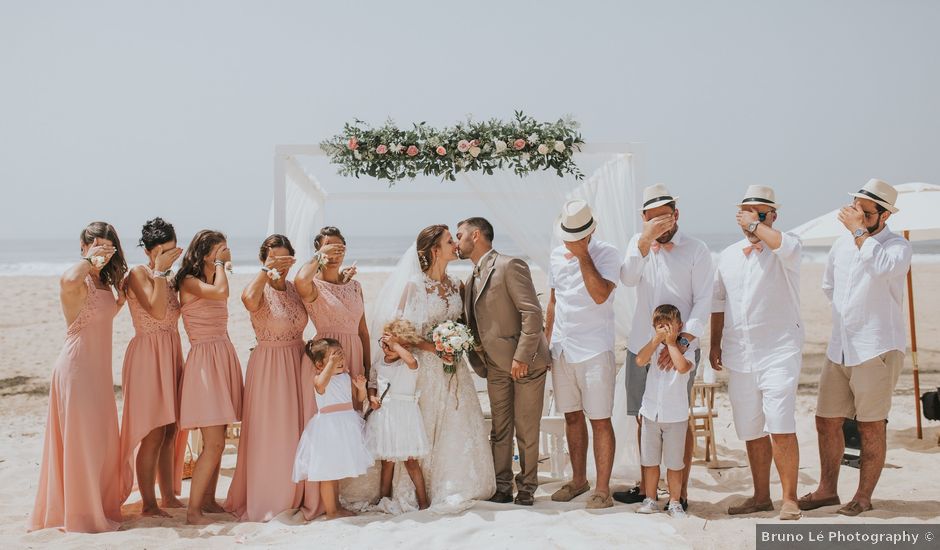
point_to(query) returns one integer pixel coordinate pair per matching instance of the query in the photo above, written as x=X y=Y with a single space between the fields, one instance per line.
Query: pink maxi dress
x=211 y=391
x=153 y=368
x=78 y=487
x=272 y=418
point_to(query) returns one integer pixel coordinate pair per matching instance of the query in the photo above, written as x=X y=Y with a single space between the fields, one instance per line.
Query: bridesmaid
x=78 y=489
x=153 y=365
x=334 y=301
x=272 y=418
x=211 y=390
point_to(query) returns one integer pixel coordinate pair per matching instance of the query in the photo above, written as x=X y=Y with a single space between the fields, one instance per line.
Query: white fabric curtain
x=304 y=216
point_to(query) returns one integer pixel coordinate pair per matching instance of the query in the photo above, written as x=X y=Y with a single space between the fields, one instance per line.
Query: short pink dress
x=272 y=419
x=78 y=489
x=211 y=391
x=153 y=368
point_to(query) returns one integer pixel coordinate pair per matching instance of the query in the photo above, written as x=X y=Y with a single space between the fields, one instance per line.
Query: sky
x=126 y=110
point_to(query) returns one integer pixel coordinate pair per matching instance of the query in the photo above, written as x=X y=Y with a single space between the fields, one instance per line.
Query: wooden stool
x=701 y=418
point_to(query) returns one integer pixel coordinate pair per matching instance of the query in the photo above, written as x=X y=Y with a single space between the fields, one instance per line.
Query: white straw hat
x=759 y=194
x=879 y=191
x=577 y=222
x=656 y=195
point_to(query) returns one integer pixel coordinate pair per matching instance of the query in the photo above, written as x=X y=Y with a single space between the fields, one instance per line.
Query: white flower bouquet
x=451 y=340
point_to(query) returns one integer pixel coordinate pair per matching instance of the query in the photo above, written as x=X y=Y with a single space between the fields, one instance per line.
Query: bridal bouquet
x=454 y=339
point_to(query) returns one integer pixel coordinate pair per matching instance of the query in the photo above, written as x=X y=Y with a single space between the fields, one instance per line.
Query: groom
x=503 y=311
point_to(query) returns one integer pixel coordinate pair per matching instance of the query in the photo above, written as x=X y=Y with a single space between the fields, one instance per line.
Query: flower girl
x=395 y=431
x=332 y=445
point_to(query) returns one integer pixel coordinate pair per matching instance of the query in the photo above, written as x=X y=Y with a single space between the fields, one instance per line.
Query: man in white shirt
x=666 y=267
x=864 y=280
x=756 y=333
x=580 y=330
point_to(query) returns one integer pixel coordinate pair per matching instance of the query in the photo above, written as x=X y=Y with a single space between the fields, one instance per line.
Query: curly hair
x=113 y=272
x=196 y=253
x=403 y=330
x=156 y=232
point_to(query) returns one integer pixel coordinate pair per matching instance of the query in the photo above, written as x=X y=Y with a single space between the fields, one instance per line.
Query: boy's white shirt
x=666 y=397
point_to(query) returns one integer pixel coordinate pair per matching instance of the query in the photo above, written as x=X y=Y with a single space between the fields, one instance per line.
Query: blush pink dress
x=272 y=418
x=153 y=368
x=78 y=487
x=211 y=390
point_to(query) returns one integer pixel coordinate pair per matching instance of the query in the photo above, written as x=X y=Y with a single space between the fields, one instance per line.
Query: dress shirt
x=866 y=288
x=681 y=276
x=666 y=397
x=759 y=293
x=583 y=329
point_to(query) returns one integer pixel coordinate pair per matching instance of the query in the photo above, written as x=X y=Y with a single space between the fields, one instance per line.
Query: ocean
x=375 y=253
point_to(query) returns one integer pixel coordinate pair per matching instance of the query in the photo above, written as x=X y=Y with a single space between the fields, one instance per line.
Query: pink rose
x=448 y=349
x=353 y=144
x=441 y=151
x=463 y=146
x=412 y=150
x=381 y=149
x=439 y=346
x=474 y=143
x=518 y=144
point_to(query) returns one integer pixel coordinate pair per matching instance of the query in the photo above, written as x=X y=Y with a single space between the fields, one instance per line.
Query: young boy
x=665 y=412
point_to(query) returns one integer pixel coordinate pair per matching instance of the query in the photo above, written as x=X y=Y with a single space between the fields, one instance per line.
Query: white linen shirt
x=866 y=288
x=666 y=397
x=760 y=297
x=681 y=277
x=582 y=328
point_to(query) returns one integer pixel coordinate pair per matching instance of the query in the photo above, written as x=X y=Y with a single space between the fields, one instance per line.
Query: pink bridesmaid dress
x=211 y=390
x=272 y=419
x=78 y=486
x=153 y=367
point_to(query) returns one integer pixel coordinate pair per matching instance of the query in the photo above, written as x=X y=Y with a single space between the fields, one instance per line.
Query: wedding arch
x=524 y=207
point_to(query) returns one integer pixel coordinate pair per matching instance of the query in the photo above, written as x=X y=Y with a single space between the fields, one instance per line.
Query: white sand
x=32 y=332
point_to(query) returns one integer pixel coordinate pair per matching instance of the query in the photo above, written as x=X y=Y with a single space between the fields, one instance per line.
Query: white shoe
x=649 y=506
x=676 y=511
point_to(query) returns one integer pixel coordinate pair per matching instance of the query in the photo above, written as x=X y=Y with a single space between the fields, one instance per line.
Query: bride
x=459 y=468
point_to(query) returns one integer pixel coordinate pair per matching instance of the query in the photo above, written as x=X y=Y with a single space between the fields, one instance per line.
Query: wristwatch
x=859 y=232
x=163 y=274
x=752 y=227
x=683 y=341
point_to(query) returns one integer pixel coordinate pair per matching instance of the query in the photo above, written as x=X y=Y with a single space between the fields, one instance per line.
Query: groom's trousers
x=516 y=406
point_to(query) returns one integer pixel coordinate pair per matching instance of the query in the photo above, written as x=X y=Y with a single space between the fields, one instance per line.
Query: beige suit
x=502 y=309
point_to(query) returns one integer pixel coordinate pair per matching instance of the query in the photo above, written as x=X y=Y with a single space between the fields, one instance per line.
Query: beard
x=668 y=235
x=874 y=228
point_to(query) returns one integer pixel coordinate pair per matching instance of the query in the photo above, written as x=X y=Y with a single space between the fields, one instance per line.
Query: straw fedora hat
x=577 y=222
x=760 y=195
x=879 y=191
x=656 y=195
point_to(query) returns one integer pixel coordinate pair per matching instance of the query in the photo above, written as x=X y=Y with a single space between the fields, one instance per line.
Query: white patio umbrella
x=917 y=218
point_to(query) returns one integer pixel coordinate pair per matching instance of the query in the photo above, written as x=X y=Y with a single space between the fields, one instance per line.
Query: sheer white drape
x=304 y=216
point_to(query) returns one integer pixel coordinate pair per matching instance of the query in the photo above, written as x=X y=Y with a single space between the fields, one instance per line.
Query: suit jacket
x=505 y=315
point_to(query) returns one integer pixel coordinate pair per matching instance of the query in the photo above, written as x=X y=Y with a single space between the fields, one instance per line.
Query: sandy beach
x=33 y=330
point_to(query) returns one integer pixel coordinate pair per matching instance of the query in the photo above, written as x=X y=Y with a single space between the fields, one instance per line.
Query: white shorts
x=586 y=386
x=764 y=402
x=663 y=442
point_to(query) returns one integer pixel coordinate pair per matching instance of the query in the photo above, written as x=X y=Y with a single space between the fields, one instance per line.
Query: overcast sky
x=126 y=110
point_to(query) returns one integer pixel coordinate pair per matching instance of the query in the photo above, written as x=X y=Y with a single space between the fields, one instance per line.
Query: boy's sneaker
x=676 y=511
x=649 y=506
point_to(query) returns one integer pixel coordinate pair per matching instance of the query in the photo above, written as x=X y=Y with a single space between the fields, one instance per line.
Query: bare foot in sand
x=212 y=507
x=154 y=511
x=172 y=502
x=196 y=518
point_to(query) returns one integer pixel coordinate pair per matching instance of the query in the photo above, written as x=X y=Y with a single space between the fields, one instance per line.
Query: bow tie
x=569 y=255
x=656 y=246
x=756 y=246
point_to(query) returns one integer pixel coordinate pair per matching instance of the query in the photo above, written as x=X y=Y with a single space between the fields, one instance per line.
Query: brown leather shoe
x=807 y=502
x=750 y=507
x=524 y=498
x=502 y=497
x=568 y=491
x=789 y=511
x=853 y=508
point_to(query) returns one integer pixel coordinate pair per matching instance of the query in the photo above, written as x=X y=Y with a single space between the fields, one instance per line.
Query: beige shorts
x=862 y=392
x=586 y=386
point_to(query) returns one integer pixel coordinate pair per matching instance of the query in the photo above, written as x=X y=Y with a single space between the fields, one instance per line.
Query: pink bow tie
x=568 y=255
x=658 y=245
x=756 y=246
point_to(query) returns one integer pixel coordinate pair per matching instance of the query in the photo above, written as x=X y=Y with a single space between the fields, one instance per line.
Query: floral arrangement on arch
x=522 y=145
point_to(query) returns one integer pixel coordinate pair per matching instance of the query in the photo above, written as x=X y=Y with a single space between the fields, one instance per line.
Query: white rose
x=524 y=157
x=457 y=341
x=500 y=145
x=543 y=149
x=533 y=139
x=474 y=152
x=560 y=146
